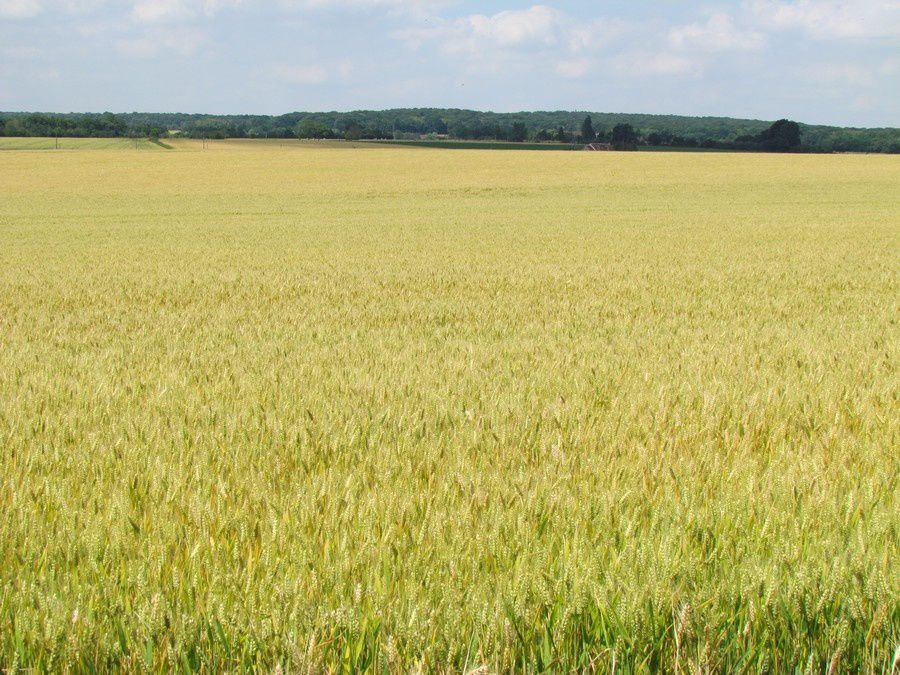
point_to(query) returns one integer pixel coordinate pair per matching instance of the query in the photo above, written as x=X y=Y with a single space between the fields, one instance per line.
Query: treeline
x=567 y=127
x=782 y=136
x=413 y=123
x=106 y=125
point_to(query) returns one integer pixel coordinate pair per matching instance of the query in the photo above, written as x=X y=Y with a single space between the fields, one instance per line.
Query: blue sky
x=818 y=61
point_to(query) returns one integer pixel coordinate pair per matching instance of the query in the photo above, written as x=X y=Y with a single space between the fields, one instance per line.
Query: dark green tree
x=782 y=136
x=588 y=135
x=435 y=125
x=354 y=132
x=624 y=137
x=519 y=132
x=312 y=129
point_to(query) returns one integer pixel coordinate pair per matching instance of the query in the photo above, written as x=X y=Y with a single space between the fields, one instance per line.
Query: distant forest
x=437 y=123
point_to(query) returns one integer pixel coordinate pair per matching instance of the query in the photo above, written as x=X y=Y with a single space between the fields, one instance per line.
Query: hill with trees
x=439 y=123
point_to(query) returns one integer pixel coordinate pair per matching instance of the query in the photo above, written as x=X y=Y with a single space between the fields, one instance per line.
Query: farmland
x=483 y=145
x=78 y=144
x=293 y=406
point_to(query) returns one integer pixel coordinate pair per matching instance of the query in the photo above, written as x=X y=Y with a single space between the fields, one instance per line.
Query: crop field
x=301 y=409
x=481 y=145
x=12 y=143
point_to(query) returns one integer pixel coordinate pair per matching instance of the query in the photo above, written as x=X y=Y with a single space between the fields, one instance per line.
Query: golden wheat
x=283 y=406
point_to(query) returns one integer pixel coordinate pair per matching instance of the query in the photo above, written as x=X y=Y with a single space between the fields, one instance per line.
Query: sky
x=816 y=61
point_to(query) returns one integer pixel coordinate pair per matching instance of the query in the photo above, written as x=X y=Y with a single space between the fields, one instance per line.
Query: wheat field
x=37 y=143
x=292 y=407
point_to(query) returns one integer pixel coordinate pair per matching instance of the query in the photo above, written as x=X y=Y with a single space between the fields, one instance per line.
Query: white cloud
x=307 y=74
x=180 y=40
x=573 y=68
x=842 y=77
x=300 y=74
x=830 y=19
x=838 y=74
x=889 y=66
x=19 y=9
x=20 y=52
x=535 y=29
x=540 y=25
x=597 y=34
x=149 y=11
x=94 y=30
x=656 y=64
x=546 y=39
x=211 y=7
x=863 y=103
x=717 y=34
x=399 y=7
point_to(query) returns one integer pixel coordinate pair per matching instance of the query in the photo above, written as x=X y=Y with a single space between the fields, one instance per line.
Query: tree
x=562 y=136
x=587 y=130
x=435 y=125
x=311 y=129
x=519 y=132
x=108 y=123
x=624 y=137
x=782 y=136
x=354 y=132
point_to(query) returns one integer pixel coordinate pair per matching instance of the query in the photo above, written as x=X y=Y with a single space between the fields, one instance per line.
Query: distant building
x=598 y=147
